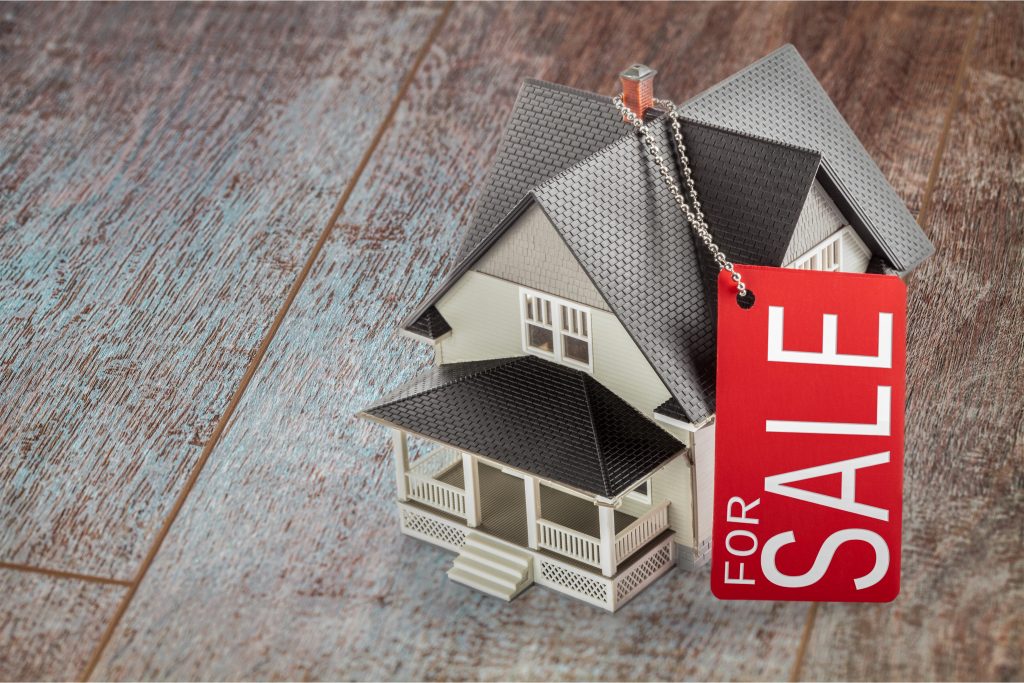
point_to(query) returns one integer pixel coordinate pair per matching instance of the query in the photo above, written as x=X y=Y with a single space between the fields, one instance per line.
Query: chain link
x=693 y=214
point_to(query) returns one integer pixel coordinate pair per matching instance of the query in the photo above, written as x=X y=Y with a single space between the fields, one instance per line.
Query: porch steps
x=491 y=567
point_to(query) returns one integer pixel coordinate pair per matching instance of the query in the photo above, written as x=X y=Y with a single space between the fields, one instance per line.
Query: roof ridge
x=598 y=447
x=568 y=89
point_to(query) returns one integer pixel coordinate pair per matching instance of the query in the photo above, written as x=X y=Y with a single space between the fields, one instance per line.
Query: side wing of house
x=528 y=295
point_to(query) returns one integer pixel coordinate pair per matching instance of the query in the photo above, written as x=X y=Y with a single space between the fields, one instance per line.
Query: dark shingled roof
x=431 y=324
x=551 y=128
x=779 y=98
x=619 y=220
x=569 y=151
x=534 y=415
x=672 y=409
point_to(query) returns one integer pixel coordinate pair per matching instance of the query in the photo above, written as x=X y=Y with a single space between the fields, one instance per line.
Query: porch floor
x=503 y=506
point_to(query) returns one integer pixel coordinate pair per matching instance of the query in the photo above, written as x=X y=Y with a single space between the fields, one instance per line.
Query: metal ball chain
x=695 y=216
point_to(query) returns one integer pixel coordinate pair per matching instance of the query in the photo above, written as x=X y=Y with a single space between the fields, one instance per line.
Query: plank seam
x=59 y=574
x=922 y=219
x=805 y=638
x=958 y=88
x=261 y=351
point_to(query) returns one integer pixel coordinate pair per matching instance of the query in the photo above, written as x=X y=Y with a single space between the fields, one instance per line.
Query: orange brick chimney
x=638 y=88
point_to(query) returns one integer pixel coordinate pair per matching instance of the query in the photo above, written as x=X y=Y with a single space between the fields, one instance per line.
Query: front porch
x=580 y=545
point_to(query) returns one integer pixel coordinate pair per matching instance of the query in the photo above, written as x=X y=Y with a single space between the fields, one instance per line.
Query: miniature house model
x=566 y=434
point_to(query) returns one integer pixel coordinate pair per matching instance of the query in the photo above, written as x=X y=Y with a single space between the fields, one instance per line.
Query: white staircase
x=492 y=567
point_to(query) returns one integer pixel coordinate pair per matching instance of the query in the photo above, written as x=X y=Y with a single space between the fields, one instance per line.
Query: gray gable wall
x=819 y=219
x=532 y=254
x=551 y=128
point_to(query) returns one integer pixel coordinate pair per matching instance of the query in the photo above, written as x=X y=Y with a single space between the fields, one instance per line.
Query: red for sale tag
x=809 y=437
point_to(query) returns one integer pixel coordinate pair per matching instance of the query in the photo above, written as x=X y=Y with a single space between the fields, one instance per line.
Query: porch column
x=401 y=454
x=471 y=479
x=606 y=516
x=532 y=510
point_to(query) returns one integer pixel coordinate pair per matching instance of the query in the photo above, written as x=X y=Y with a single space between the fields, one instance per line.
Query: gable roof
x=536 y=416
x=551 y=128
x=557 y=135
x=619 y=220
x=779 y=98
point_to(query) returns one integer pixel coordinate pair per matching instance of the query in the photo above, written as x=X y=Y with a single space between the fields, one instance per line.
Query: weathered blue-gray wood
x=960 y=615
x=286 y=560
x=50 y=625
x=166 y=170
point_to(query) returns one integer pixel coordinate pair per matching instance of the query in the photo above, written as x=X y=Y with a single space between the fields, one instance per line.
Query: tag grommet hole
x=746 y=301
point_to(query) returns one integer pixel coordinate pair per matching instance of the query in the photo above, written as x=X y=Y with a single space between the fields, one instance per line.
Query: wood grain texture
x=50 y=625
x=166 y=171
x=286 y=561
x=960 y=615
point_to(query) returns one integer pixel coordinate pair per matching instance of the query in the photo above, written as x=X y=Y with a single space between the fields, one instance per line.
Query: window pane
x=576 y=349
x=540 y=338
x=642 y=489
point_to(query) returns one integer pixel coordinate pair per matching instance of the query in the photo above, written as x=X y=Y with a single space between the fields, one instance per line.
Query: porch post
x=606 y=516
x=401 y=454
x=471 y=479
x=532 y=509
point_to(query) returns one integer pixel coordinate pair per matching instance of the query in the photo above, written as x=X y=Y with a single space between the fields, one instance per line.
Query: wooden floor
x=211 y=216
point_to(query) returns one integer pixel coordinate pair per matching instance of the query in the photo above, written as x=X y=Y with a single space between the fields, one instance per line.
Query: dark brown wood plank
x=287 y=561
x=960 y=615
x=166 y=170
x=50 y=625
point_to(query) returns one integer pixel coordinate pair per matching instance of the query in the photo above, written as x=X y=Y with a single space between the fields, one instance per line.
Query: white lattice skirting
x=564 y=578
x=591 y=587
x=658 y=561
x=432 y=529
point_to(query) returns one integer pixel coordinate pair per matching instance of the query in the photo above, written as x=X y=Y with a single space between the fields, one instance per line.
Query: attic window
x=556 y=329
x=827 y=255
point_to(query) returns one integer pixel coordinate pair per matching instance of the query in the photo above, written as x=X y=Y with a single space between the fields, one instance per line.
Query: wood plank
x=287 y=561
x=50 y=625
x=960 y=615
x=166 y=171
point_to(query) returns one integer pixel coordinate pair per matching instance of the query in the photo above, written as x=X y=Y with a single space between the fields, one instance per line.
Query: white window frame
x=641 y=497
x=826 y=255
x=584 y=321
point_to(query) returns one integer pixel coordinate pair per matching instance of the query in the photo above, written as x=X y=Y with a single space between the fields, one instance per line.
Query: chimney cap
x=638 y=72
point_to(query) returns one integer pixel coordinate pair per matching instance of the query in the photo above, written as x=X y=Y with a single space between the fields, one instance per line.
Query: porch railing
x=436 y=462
x=641 y=532
x=424 y=488
x=568 y=542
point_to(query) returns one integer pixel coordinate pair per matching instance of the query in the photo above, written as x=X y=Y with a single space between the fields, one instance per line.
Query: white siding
x=704 y=462
x=673 y=483
x=856 y=254
x=484 y=315
x=483 y=312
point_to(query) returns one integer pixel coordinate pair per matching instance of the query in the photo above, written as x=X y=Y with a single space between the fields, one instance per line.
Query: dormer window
x=556 y=329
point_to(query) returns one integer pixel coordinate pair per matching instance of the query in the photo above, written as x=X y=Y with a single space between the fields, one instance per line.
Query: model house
x=566 y=435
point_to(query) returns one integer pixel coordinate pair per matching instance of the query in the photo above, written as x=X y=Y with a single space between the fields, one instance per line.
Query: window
x=556 y=329
x=828 y=255
x=641 y=493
